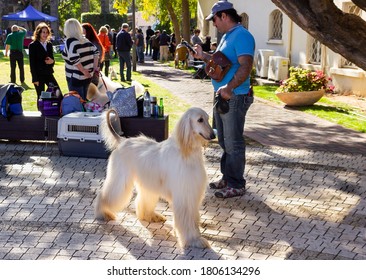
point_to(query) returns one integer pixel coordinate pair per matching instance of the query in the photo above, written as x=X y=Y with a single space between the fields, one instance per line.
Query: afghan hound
x=172 y=169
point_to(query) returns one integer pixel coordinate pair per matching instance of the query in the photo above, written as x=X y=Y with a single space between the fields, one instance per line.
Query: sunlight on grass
x=336 y=112
x=173 y=105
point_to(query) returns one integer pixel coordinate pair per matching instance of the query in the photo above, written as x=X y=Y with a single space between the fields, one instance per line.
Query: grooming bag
x=49 y=106
x=123 y=100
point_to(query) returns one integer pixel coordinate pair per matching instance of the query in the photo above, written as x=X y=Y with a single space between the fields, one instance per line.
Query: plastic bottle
x=161 y=107
x=147 y=105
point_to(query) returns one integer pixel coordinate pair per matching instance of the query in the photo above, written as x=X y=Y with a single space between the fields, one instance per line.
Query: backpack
x=72 y=102
x=11 y=100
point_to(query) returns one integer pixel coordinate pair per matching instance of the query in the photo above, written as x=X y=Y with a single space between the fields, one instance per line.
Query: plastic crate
x=79 y=135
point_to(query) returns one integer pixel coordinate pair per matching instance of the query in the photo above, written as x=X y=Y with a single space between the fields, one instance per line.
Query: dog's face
x=193 y=130
x=200 y=124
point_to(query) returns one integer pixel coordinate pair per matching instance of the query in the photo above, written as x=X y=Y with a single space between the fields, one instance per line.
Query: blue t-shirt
x=236 y=42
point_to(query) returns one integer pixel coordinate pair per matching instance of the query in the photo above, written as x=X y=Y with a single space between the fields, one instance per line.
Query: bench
x=34 y=126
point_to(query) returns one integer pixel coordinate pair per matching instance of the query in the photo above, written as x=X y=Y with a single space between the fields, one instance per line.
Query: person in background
x=14 y=42
x=213 y=47
x=172 y=45
x=140 y=45
x=91 y=34
x=41 y=59
x=238 y=45
x=195 y=38
x=164 y=40
x=124 y=44
x=149 y=34
x=107 y=48
x=81 y=58
x=207 y=44
x=114 y=36
x=110 y=34
x=155 y=45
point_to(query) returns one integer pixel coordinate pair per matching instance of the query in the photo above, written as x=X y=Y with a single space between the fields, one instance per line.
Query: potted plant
x=303 y=87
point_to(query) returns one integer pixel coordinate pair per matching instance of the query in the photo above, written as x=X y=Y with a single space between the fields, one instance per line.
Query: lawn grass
x=336 y=112
x=173 y=105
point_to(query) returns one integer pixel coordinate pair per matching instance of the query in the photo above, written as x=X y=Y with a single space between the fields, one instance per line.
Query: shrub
x=306 y=80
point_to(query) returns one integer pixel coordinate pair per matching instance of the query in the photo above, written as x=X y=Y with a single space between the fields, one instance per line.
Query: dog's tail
x=111 y=129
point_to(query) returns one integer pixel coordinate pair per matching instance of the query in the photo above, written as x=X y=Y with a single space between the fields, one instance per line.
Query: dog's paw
x=106 y=216
x=153 y=218
x=199 y=242
x=158 y=218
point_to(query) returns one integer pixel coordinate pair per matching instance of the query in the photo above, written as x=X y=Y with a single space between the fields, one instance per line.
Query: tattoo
x=246 y=64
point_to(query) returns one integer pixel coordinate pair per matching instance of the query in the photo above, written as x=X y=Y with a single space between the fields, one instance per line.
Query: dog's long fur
x=172 y=170
x=112 y=73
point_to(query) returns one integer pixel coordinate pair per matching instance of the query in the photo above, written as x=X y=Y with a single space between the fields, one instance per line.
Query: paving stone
x=305 y=200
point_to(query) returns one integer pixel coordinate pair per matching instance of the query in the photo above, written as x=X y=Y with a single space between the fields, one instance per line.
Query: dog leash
x=213 y=106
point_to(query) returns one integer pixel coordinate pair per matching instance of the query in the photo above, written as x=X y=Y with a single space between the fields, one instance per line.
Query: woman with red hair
x=92 y=36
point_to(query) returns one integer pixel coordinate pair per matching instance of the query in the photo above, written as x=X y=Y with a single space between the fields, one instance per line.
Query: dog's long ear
x=183 y=133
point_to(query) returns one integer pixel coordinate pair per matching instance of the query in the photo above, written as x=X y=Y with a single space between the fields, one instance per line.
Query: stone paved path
x=306 y=195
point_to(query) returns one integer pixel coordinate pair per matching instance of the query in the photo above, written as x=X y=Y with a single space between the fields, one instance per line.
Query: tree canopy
x=342 y=32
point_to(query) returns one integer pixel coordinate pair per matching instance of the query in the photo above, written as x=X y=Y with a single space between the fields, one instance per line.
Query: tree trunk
x=37 y=4
x=175 y=21
x=104 y=5
x=341 y=32
x=186 y=20
x=54 y=13
x=85 y=6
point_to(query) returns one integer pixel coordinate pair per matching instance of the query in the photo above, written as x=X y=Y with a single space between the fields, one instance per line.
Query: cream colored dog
x=173 y=170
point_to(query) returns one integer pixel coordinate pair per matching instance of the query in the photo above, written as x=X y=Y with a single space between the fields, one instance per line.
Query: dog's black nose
x=212 y=135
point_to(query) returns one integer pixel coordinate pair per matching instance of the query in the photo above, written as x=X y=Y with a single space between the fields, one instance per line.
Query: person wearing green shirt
x=14 y=42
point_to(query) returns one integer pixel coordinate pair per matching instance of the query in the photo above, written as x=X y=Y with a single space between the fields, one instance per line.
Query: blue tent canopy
x=29 y=14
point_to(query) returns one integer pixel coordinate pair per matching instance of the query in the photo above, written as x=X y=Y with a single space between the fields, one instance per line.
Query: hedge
x=114 y=20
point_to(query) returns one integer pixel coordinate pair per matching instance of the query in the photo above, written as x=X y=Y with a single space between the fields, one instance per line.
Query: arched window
x=314 y=51
x=275 y=25
x=244 y=20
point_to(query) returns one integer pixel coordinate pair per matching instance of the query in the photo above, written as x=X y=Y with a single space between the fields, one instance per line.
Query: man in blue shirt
x=238 y=45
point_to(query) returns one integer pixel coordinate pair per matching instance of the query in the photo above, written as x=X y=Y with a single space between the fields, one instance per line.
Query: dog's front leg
x=186 y=225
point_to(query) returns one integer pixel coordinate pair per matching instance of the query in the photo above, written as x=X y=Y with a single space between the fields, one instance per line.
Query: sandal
x=230 y=192
x=218 y=185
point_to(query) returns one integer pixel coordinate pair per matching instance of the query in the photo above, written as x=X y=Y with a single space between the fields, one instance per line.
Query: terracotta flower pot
x=304 y=98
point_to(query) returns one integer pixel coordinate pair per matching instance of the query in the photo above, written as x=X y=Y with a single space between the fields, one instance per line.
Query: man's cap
x=218 y=7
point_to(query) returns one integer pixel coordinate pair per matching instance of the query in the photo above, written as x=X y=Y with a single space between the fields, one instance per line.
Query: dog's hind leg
x=114 y=196
x=145 y=207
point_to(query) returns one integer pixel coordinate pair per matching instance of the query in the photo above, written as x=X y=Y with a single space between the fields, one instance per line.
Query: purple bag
x=49 y=106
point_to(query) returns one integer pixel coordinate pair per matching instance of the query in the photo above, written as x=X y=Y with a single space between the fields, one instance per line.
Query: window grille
x=315 y=51
x=276 y=20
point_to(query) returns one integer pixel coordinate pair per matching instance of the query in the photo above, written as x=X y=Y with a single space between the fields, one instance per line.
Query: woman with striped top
x=81 y=58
